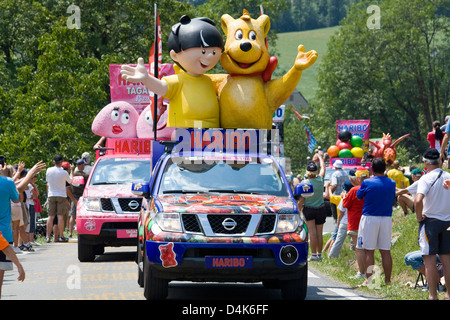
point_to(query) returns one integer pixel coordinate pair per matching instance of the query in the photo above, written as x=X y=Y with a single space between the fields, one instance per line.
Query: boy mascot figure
x=195 y=45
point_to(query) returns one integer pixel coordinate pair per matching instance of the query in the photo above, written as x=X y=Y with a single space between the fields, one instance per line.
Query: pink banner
x=356 y=127
x=142 y=146
x=134 y=93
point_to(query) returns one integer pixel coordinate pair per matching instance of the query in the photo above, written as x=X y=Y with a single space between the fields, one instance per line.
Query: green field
x=312 y=40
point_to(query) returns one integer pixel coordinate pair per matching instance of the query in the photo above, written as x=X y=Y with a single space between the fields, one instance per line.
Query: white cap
x=337 y=164
x=86 y=157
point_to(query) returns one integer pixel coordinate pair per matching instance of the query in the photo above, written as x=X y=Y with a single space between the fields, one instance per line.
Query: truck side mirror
x=140 y=189
x=304 y=190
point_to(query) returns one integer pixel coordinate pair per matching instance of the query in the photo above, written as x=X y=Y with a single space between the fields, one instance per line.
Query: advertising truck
x=218 y=207
x=107 y=213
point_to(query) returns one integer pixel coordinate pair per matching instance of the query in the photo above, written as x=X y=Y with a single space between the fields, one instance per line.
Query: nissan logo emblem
x=133 y=204
x=229 y=224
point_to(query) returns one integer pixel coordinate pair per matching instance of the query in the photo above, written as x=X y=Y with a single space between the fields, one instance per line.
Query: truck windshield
x=253 y=175
x=121 y=170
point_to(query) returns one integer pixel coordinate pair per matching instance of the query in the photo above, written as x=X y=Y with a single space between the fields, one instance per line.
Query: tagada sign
x=134 y=93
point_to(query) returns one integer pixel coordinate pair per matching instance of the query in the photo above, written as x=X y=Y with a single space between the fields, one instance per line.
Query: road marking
x=312 y=275
x=346 y=294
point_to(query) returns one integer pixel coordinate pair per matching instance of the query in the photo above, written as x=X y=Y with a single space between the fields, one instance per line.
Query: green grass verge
x=344 y=267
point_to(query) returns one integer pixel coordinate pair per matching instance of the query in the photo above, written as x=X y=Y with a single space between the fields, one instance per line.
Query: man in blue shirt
x=8 y=193
x=375 y=227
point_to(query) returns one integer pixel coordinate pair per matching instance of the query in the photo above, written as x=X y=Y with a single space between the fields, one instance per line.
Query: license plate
x=227 y=262
x=128 y=233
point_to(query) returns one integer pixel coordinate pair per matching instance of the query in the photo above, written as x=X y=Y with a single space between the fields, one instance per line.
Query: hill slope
x=312 y=40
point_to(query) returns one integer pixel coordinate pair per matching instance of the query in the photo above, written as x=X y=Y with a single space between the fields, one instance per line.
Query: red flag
x=151 y=58
x=154 y=66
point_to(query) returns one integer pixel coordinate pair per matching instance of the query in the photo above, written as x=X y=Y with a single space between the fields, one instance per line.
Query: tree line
x=397 y=73
x=54 y=76
x=307 y=15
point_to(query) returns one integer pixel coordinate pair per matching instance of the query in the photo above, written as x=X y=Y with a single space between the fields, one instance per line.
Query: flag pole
x=155 y=96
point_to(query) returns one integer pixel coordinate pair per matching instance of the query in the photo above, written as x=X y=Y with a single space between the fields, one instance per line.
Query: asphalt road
x=53 y=272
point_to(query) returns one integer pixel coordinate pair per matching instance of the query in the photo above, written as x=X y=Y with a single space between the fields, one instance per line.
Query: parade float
x=352 y=142
x=218 y=206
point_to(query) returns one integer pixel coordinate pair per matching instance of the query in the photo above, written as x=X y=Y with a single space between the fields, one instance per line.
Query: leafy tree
x=54 y=79
x=397 y=75
x=214 y=9
x=295 y=146
x=303 y=15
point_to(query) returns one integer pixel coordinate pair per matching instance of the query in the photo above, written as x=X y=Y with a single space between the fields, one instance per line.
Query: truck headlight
x=287 y=223
x=92 y=204
x=168 y=221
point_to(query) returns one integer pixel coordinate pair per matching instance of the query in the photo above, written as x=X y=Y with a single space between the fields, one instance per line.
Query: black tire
x=154 y=288
x=271 y=284
x=140 y=265
x=86 y=252
x=99 y=249
x=296 y=289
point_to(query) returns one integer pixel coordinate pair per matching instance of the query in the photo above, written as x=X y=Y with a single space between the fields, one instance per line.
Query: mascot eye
x=214 y=52
x=203 y=51
x=252 y=35
x=149 y=117
x=125 y=118
x=238 y=35
x=115 y=115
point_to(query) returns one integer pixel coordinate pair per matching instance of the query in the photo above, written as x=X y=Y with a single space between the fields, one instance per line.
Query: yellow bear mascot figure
x=246 y=99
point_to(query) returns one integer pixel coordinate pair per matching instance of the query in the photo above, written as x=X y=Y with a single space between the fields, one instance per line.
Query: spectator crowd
x=362 y=203
x=21 y=209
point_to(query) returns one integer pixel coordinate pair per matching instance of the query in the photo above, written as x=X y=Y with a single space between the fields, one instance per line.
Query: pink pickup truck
x=107 y=213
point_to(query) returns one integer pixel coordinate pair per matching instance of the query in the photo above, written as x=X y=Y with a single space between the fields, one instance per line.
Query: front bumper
x=221 y=261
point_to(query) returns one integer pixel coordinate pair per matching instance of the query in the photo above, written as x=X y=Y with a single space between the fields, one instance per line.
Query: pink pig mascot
x=116 y=120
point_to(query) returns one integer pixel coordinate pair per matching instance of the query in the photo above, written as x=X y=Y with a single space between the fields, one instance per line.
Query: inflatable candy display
x=345 y=153
x=343 y=144
x=357 y=152
x=345 y=135
x=333 y=151
x=350 y=148
x=356 y=141
x=352 y=141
